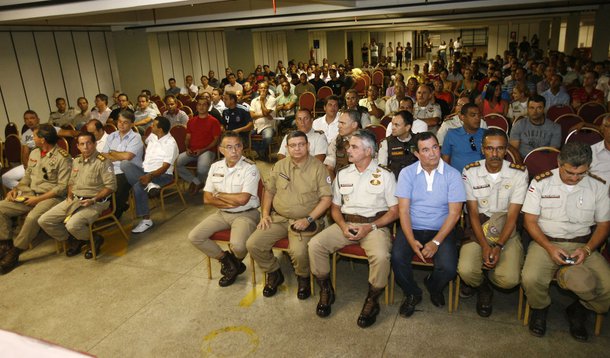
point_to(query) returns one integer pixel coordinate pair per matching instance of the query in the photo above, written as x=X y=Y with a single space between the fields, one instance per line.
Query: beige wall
x=240 y=50
x=298 y=46
x=135 y=63
x=336 y=46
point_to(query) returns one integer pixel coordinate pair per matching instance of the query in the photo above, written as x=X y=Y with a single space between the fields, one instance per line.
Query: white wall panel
x=10 y=81
x=3 y=116
x=176 y=55
x=31 y=75
x=220 y=53
x=112 y=60
x=165 y=56
x=51 y=68
x=212 y=54
x=102 y=64
x=320 y=53
x=69 y=65
x=185 y=52
x=203 y=53
x=86 y=64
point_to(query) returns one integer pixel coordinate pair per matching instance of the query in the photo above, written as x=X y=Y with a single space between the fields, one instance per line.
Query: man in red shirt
x=588 y=92
x=202 y=135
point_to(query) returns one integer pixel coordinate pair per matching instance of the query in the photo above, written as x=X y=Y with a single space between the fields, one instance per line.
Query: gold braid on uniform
x=63 y=152
x=517 y=167
x=385 y=167
x=472 y=165
x=596 y=177
x=249 y=161
x=101 y=157
x=319 y=132
x=544 y=175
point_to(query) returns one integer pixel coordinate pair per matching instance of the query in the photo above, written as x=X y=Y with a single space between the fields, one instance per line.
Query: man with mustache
x=495 y=190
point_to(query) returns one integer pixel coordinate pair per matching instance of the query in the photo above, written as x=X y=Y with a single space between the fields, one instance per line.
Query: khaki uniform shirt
x=60 y=119
x=242 y=178
x=91 y=175
x=567 y=214
x=495 y=196
x=48 y=173
x=365 y=193
x=298 y=188
x=336 y=155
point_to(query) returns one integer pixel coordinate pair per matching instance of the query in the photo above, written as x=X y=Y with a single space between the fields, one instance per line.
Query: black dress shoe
x=75 y=247
x=466 y=291
x=408 y=305
x=538 y=322
x=231 y=267
x=437 y=298
x=98 y=241
x=371 y=309
x=484 y=306
x=327 y=297
x=577 y=317
x=274 y=280
x=304 y=290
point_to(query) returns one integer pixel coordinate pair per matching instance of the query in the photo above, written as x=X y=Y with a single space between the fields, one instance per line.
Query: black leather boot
x=484 y=297
x=10 y=260
x=5 y=246
x=577 y=317
x=274 y=280
x=304 y=290
x=327 y=297
x=231 y=267
x=370 y=310
x=538 y=322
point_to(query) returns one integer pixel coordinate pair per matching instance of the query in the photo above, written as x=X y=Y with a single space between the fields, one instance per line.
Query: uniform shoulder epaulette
x=597 y=178
x=517 y=167
x=101 y=157
x=343 y=167
x=386 y=168
x=542 y=176
x=63 y=152
x=319 y=132
x=472 y=165
x=249 y=161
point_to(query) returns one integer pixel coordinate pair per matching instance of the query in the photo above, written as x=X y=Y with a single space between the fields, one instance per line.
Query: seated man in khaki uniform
x=363 y=205
x=298 y=188
x=560 y=207
x=231 y=187
x=91 y=185
x=495 y=190
x=42 y=187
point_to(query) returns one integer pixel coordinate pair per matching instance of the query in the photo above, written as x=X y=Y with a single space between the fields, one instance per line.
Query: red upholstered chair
x=513 y=156
x=308 y=101
x=385 y=121
x=590 y=111
x=170 y=189
x=324 y=92
x=360 y=86
x=185 y=98
x=105 y=220
x=63 y=144
x=496 y=120
x=558 y=110
x=585 y=135
x=109 y=128
x=600 y=119
x=378 y=130
x=354 y=251
x=367 y=81
x=567 y=122
x=12 y=150
x=179 y=133
x=378 y=79
x=541 y=160
x=11 y=128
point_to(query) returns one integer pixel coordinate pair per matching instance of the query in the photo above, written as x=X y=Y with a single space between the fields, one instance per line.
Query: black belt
x=358 y=219
x=580 y=239
x=237 y=212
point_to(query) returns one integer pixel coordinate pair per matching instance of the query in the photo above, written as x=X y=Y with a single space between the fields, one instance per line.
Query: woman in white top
x=389 y=52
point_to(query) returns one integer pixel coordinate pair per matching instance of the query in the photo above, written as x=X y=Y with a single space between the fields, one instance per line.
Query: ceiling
x=259 y=15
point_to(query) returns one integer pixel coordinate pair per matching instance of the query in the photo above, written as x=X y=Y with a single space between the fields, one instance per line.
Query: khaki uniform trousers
x=504 y=275
x=539 y=270
x=241 y=224
x=78 y=225
x=377 y=245
x=30 y=228
x=261 y=242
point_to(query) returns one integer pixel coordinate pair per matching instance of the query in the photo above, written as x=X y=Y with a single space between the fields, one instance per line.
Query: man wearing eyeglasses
x=495 y=190
x=231 y=187
x=560 y=208
x=44 y=183
x=299 y=191
x=316 y=139
x=463 y=145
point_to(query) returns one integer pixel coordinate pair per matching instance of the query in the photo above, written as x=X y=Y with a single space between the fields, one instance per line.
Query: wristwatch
x=309 y=219
x=373 y=226
x=436 y=243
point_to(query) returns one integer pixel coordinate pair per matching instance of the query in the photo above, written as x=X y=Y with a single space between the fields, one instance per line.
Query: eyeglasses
x=235 y=147
x=472 y=145
x=572 y=174
x=45 y=174
x=297 y=145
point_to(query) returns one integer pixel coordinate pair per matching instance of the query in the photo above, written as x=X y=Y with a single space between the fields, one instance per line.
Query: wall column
x=601 y=34
x=572 y=32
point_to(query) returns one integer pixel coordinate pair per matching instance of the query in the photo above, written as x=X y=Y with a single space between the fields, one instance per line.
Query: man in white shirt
x=217 y=100
x=97 y=128
x=189 y=88
x=374 y=104
x=600 y=165
x=262 y=111
x=316 y=139
x=101 y=112
x=455 y=121
x=425 y=108
x=157 y=170
x=329 y=122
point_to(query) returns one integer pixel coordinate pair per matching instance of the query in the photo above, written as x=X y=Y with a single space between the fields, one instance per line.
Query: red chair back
x=600 y=119
x=558 y=110
x=109 y=128
x=147 y=132
x=378 y=78
x=12 y=148
x=187 y=110
x=567 y=121
x=63 y=144
x=378 y=130
x=179 y=134
x=496 y=120
x=360 y=86
x=513 y=156
x=324 y=92
x=72 y=145
x=367 y=81
x=308 y=101
x=385 y=121
x=541 y=160
x=11 y=128
x=184 y=98
x=585 y=135
x=590 y=111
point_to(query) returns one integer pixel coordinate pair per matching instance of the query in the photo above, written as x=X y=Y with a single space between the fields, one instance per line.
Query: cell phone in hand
x=568 y=260
x=353 y=231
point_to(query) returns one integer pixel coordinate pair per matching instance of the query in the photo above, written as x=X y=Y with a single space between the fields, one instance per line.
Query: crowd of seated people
x=338 y=161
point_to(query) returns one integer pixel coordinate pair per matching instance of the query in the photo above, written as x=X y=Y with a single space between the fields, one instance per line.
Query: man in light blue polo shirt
x=430 y=196
x=123 y=145
x=462 y=145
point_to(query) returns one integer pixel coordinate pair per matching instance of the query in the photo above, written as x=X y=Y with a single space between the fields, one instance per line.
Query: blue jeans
x=133 y=174
x=204 y=161
x=445 y=262
x=263 y=147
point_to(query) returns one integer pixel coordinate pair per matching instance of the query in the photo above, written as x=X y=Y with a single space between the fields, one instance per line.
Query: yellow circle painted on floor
x=232 y=341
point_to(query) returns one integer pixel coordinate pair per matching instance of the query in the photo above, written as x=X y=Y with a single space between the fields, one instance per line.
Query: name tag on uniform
x=218 y=175
x=285 y=176
x=550 y=196
x=481 y=186
x=346 y=185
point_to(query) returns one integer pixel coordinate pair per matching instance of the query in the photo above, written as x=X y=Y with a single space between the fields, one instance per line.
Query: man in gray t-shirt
x=535 y=130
